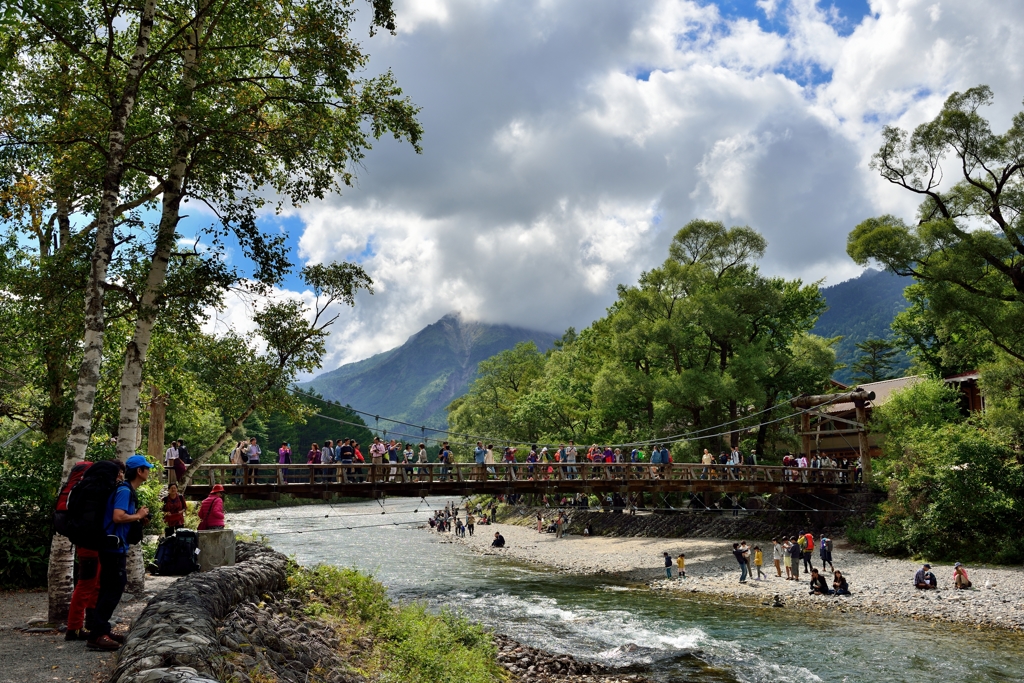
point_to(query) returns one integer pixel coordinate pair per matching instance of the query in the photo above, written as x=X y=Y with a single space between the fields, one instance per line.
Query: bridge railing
x=411 y=473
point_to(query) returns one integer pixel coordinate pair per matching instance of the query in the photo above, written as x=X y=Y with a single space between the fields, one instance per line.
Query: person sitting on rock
x=211 y=510
x=924 y=579
x=839 y=584
x=499 y=540
x=819 y=586
x=960 y=580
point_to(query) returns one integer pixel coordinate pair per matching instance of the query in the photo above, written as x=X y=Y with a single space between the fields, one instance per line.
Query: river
x=668 y=637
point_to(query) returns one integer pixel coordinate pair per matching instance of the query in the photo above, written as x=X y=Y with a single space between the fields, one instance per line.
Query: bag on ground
x=177 y=555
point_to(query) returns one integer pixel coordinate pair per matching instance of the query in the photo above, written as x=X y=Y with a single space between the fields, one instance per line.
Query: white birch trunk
x=95 y=321
x=59 y=579
x=61 y=560
x=151 y=302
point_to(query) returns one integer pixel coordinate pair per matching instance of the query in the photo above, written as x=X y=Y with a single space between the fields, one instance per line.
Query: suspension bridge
x=415 y=480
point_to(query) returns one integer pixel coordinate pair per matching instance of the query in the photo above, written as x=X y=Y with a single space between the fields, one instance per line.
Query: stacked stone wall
x=175 y=638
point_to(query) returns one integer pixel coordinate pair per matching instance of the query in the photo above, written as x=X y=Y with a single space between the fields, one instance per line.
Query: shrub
x=955 y=494
x=411 y=645
x=421 y=647
x=29 y=478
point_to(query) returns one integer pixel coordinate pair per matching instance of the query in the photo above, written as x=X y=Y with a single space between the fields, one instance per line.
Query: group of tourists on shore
x=447 y=520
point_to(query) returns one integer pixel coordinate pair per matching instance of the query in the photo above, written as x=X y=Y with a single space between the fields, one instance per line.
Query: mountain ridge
x=416 y=381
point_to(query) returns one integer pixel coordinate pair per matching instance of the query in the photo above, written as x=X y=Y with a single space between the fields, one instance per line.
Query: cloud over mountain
x=566 y=142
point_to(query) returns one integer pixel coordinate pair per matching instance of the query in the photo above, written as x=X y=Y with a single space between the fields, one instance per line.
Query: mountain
x=415 y=381
x=859 y=309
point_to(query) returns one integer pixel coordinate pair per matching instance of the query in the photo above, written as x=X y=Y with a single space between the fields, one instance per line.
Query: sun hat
x=217 y=488
x=957 y=565
x=138 y=461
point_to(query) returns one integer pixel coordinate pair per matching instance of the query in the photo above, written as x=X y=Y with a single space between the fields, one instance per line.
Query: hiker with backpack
x=122 y=525
x=211 y=510
x=87 y=559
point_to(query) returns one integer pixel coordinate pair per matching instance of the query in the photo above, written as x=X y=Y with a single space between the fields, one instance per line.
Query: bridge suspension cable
x=698 y=433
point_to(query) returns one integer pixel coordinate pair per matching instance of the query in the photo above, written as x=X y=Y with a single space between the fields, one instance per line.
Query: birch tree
x=254 y=108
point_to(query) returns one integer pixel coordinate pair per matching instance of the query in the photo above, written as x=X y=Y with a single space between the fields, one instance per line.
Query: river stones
x=531 y=665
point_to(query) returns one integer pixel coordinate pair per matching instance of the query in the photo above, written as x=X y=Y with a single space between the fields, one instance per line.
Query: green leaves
x=954 y=493
x=967 y=249
x=886 y=240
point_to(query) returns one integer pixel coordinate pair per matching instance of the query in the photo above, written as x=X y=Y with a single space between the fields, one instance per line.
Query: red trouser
x=87 y=589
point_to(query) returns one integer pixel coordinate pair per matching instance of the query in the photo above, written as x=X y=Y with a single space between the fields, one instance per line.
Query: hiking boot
x=102 y=643
x=77 y=634
x=116 y=637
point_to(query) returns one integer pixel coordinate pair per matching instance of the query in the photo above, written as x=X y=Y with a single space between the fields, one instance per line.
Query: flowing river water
x=667 y=637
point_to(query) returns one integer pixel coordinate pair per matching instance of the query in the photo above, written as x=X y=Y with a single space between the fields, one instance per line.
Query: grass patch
x=410 y=644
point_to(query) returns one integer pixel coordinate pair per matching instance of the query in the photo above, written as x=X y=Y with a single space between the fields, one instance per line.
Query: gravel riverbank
x=880 y=585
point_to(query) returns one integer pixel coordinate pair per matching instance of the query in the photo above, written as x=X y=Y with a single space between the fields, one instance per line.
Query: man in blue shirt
x=122 y=510
x=480 y=456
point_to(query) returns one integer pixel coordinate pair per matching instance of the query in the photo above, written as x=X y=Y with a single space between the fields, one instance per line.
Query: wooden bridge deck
x=463 y=479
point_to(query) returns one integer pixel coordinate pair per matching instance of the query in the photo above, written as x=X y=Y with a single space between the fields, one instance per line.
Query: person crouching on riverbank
x=924 y=579
x=499 y=540
x=819 y=586
x=839 y=583
x=960 y=580
x=211 y=510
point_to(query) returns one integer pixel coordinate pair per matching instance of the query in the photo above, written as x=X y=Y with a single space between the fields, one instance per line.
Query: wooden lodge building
x=832 y=429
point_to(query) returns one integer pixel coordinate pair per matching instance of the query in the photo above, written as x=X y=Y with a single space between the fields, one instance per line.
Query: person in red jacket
x=211 y=510
x=174 y=510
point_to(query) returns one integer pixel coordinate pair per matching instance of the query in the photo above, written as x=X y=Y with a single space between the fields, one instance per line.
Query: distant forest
x=859 y=309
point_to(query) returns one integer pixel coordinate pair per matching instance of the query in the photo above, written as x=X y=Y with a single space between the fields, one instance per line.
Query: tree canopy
x=966 y=249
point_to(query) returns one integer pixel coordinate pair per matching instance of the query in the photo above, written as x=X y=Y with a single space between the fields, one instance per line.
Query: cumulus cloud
x=566 y=143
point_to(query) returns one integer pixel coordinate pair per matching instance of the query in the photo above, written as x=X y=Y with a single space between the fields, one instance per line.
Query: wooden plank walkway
x=464 y=479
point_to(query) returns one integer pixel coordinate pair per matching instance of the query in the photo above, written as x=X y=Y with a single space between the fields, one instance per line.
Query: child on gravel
x=681 y=564
x=758 y=562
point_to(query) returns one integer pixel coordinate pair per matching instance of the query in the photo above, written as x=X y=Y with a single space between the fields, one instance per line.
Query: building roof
x=963 y=377
x=883 y=390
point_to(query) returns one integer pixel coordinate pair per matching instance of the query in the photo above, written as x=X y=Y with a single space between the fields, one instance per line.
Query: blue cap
x=138 y=461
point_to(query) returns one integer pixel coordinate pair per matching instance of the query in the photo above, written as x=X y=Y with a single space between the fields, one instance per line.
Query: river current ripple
x=670 y=638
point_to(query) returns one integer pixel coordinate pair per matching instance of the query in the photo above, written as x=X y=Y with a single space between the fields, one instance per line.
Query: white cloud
x=566 y=142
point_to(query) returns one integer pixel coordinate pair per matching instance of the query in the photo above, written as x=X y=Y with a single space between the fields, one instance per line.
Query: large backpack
x=177 y=555
x=60 y=515
x=87 y=506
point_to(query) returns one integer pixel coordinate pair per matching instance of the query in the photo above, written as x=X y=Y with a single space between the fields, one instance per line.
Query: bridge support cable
x=693 y=434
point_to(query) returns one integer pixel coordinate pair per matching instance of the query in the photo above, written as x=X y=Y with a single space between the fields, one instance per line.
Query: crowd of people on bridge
x=406 y=461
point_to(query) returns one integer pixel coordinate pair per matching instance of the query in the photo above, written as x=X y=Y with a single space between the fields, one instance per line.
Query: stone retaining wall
x=175 y=637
